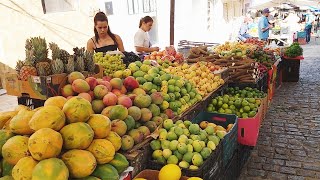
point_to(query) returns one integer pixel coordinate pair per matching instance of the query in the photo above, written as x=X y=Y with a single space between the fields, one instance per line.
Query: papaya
x=77 y=109
x=20 y=107
x=100 y=124
x=120 y=162
x=102 y=150
x=77 y=135
x=80 y=163
x=15 y=149
x=45 y=143
x=50 y=169
x=5 y=116
x=4 y=136
x=115 y=139
x=58 y=101
x=6 y=178
x=19 y=124
x=23 y=169
x=6 y=168
x=106 y=172
x=48 y=117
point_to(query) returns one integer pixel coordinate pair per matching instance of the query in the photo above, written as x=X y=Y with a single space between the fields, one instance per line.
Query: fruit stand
x=114 y=116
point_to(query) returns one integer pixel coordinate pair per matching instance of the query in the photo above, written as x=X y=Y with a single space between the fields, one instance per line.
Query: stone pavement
x=289 y=142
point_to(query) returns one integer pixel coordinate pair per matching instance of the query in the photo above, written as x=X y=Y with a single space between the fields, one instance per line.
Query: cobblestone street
x=289 y=142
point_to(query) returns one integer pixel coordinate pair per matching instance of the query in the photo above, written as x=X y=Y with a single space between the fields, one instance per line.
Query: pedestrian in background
x=264 y=26
x=309 y=23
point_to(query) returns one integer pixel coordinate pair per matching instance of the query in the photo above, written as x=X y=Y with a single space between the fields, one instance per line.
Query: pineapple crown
x=36 y=49
x=55 y=50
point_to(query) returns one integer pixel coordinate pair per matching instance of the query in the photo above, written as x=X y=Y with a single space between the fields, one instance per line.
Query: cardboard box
x=152 y=175
x=37 y=87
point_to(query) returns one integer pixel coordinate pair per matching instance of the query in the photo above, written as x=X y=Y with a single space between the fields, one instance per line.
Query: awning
x=277 y=3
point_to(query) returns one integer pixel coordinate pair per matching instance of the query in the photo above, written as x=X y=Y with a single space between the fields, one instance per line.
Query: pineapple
x=89 y=62
x=27 y=70
x=57 y=66
x=64 y=56
x=70 y=65
x=43 y=68
x=40 y=55
x=55 y=50
x=19 y=65
x=79 y=66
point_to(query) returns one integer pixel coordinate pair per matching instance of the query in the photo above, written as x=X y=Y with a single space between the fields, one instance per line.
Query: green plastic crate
x=229 y=142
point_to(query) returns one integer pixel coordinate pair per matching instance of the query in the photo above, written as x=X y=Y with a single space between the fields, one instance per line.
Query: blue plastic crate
x=229 y=142
x=301 y=34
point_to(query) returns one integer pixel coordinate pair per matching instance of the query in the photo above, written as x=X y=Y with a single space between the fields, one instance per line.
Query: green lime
x=246 y=109
x=225 y=106
x=244 y=115
x=228 y=111
x=214 y=102
x=221 y=111
x=220 y=103
x=252 y=113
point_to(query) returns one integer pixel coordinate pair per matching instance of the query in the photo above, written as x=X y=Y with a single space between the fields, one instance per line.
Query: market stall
x=115 y=116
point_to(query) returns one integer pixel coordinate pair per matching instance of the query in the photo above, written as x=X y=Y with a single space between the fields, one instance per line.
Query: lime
x=172 y=82
x=232 y=107
x=246 y=109
x=251 y=100
x=241 y=110
x=192 y=94
x=230 y=103
x=220 y=103
x=237 y=103
x=225 y=100
x=252 y=114
x=244 y=115
x=244 y=103
x=225 y=106
x=228 y=111
x=221 y=111
x=252 y=106
x=214 y=102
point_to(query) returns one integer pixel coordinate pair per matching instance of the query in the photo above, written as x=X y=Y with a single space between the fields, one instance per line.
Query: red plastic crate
x=248 y=129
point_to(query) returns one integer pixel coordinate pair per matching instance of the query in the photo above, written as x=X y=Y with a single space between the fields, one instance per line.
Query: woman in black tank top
x=104 y=40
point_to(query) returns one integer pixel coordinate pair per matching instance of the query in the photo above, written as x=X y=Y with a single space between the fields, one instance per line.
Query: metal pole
x=172 y=9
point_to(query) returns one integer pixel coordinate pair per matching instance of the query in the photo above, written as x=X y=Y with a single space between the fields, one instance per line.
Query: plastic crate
x=229 y=142
x=290 y=70
x=30 y=102
x=210 y=169
x=301 y=34
x=248 y=129
x=232 y=171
